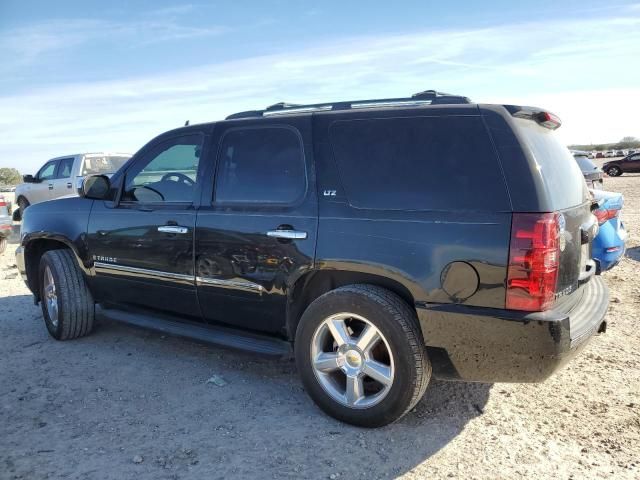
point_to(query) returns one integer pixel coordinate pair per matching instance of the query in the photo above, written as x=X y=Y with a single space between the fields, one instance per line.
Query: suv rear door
x=62 y=184
x=142 y=244
x=256 y=227
x=559 y=187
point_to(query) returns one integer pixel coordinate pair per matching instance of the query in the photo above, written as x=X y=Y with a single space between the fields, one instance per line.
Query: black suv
x=380 y=241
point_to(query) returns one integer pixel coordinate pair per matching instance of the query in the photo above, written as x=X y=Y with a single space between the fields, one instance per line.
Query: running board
x=211 y=334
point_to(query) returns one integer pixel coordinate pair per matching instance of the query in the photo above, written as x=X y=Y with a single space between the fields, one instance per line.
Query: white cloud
x=25 y=45
x=553 y=65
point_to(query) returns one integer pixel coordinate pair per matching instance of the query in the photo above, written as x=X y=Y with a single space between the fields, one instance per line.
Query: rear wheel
x=614 y=171
x=361 y=355
x=67 y=305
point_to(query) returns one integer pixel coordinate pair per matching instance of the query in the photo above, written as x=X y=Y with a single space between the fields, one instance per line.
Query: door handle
x=51 y=186
x=69 y=185
x=287 y=234
x=173 y=229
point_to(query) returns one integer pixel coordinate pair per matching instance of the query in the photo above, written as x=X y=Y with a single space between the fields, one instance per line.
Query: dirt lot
x=126 y=403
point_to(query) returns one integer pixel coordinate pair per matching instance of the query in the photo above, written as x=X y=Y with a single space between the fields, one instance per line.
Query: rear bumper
x=491 y=345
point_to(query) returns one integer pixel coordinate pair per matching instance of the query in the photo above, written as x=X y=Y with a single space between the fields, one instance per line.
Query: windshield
x=103 y=164
x=585 y=164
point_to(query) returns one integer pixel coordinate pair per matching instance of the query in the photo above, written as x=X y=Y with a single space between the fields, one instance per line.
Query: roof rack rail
x=428 y=97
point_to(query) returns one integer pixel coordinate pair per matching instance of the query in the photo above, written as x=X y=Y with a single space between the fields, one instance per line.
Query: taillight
x=3 y=203
x=604 y=216
x=548 y=120
x=534 y=259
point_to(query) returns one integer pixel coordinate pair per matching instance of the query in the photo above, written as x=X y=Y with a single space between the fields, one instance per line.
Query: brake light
x=604 y=216
x=548 y=120
x=3 y=202
x=534 y=260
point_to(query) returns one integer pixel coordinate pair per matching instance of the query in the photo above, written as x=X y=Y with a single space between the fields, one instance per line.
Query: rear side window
x=560 y=173
x=95 y=165
x=419 y=163
x=260 y=165
x=64 y=170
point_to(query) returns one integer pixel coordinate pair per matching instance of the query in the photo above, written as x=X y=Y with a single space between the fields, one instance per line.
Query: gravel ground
x=126 y=403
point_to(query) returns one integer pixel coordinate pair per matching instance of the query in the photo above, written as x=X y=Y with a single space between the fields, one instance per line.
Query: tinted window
x=634 y=157
x=167 y=173
x=419 y=163
x=561 y=175
x=48 y=171
x=64 y=170
x=94 y=165
x=260 y=165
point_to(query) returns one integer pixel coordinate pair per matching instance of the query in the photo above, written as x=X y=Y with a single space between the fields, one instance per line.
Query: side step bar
x=212 y=334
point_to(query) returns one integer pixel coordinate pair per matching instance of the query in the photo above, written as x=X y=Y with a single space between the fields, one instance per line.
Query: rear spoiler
x=542 y=117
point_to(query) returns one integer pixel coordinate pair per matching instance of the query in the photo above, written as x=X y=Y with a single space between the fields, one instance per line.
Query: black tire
x=3 y=244
x=613 y=171
x=75 y=305
x=398 y=324
x=23 y=204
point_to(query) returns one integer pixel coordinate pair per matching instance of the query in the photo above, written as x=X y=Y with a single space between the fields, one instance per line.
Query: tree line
x=624 y=144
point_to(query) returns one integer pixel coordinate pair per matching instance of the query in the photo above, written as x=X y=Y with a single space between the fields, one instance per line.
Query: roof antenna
x=186 y=124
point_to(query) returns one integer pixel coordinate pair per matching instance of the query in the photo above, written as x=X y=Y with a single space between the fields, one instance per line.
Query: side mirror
x=29 y=179
x=96 y=187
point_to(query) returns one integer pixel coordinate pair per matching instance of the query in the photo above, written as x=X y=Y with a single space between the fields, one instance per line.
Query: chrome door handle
x=51 y=186
x=69 y=185
x=287 y=234
x=172 y=229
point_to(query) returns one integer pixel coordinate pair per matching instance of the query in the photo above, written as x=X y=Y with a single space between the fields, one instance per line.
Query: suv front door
x=142 y=246
x=257 y=223
x=43 y=188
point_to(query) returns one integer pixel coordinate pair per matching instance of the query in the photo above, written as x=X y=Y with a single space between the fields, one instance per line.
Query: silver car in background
x=62 y=176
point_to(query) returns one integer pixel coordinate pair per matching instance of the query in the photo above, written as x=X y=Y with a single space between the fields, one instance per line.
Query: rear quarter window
x=419 y=163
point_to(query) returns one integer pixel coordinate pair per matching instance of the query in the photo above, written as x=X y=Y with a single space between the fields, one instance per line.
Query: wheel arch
x=315 y=283
x=34 y=248
x=17 y=211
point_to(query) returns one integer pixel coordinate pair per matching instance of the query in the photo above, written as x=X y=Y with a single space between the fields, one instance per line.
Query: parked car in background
x=356 y=235
x=609 y=244
x=593 y=175
x=628 y=164
x=6 y=224
x=599 y=155
x=609 y=154
x=620 y=153
x=62 y=176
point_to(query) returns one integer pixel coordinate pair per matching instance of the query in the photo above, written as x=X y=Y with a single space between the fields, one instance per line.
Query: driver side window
x=166 y=173
x=48 y=171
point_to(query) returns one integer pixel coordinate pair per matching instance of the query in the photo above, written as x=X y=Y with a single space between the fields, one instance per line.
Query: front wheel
x=67 y=305
x=614 y=171
x=361 y=355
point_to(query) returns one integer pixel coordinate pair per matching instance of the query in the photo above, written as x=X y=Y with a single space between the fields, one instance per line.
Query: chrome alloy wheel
x=50 y=297
x=352 y=360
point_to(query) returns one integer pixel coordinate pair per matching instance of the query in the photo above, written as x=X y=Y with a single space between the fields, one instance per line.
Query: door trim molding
x=142 y=271
x=233 y=284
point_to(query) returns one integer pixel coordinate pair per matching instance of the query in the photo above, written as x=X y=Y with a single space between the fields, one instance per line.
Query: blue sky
x=95 y=75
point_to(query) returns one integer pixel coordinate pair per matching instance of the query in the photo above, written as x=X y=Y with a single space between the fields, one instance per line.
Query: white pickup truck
x=62 y=176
